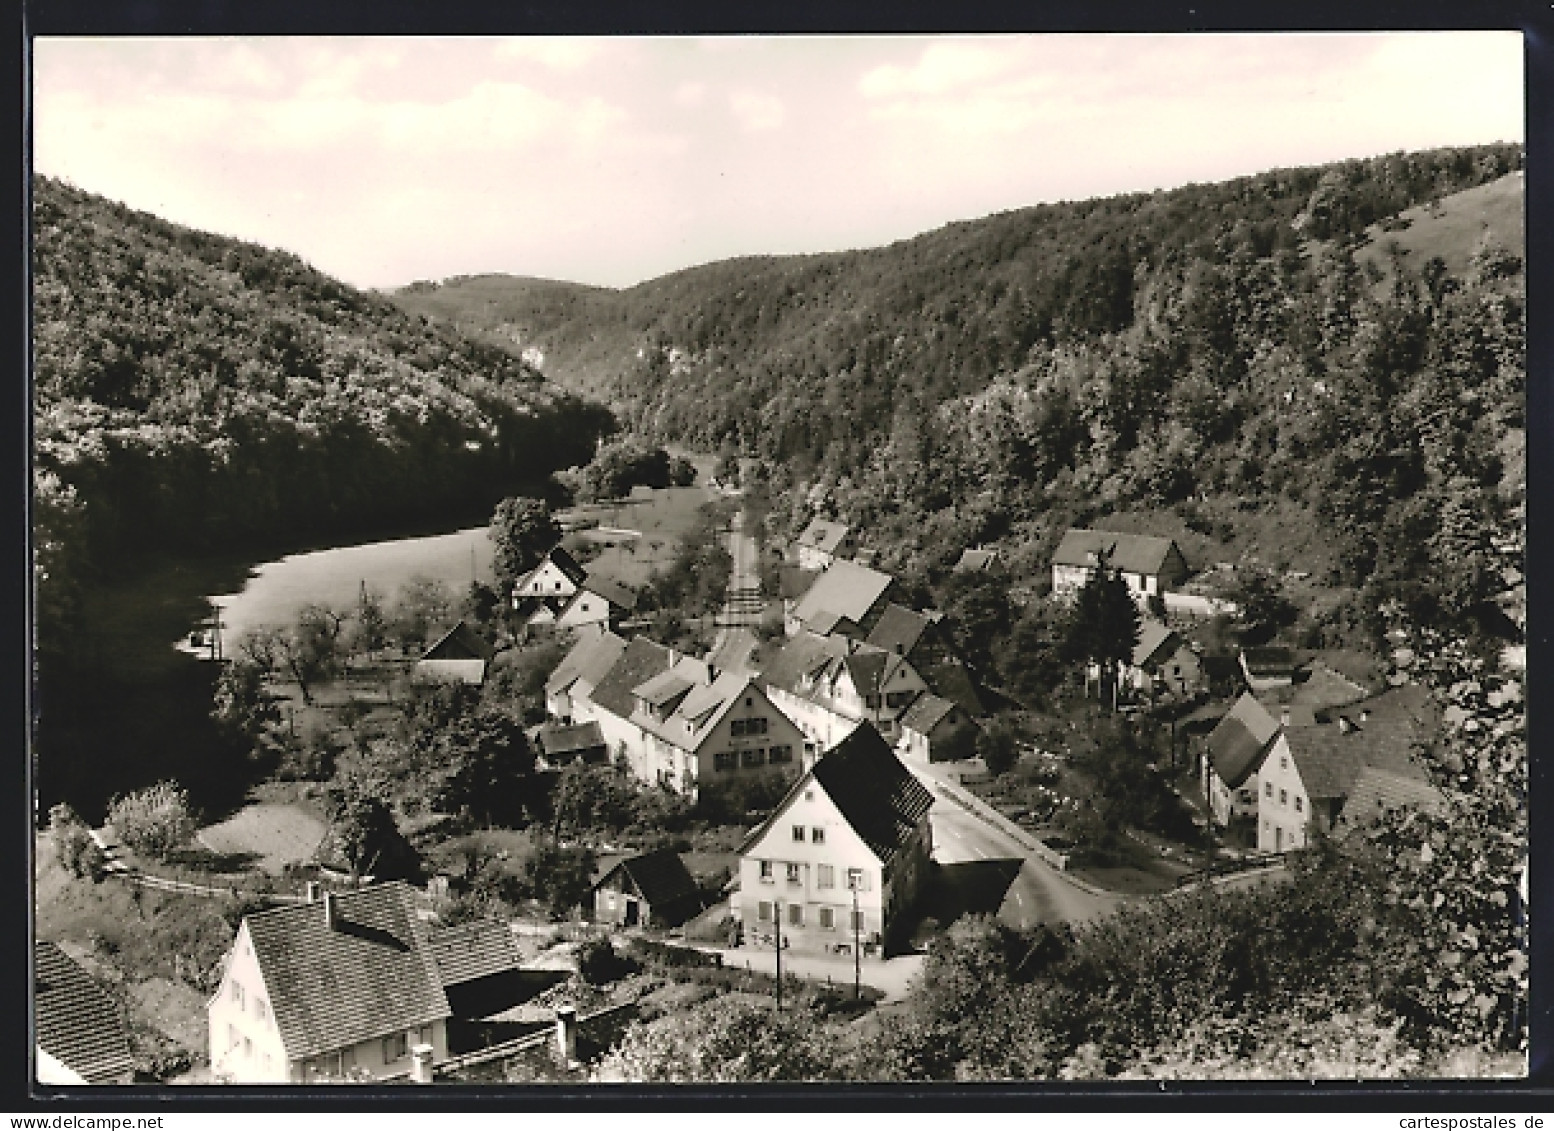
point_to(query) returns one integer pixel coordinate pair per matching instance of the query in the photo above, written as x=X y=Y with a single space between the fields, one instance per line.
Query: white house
x=561 y=593
x=345 y=987
x=830 y=684
x=842 y=857
x=557 y=576
x=1233 y=753
x=589 y=661
x=1149 y=565
x=459 y=657
x=822 y=542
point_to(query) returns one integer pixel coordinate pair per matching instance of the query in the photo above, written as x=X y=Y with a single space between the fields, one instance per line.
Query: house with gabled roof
x=652 y=889
x=344 y=987
x=1378 y=792
x=79 y=1036
x=843 y=856
x=976 y=561
x=829 y=684
x=560 y=593
x=580 y=671
x=823 y=542
x=1309 y=773
x=934 y=729
x=558 y=575
x=460 y=656
x=1151 y=566
x=1232 y=754
x=1162 y=662
x=847 y=597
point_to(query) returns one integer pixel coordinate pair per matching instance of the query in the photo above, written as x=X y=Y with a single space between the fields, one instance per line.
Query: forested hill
x=193 y=391
x=997 y=378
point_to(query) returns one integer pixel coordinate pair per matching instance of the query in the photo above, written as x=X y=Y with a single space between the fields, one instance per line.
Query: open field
x=1451 y=227
x=660 y=518
x=272 y=835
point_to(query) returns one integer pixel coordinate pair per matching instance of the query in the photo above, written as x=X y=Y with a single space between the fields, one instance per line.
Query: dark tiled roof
x=660 y=878
x=823 y=535
x=459 y=643
x=877 y=795
x=866 y=666
x=955 y=682
x=846 y=589
x=589 y=660
x=1237 y=743
x=1330 y=759
x=78 y=1024
x=1135 y=553
x=477 y=949
x=372 y=974
x=612 y=591
x=801 y=655
x=1377 y=791
x=899 y=629
x=558 y=740
x=567 y=564
x=925 y=713
x=794 y=583
x=637 y=663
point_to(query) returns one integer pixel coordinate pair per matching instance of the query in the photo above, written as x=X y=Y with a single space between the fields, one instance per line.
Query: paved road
x=743 y=605
x=982 y=868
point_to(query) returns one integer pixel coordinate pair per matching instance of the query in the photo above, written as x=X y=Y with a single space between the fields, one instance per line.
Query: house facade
x=829 y=684
x=580 y=671
x=843 y=857
x=558 y=576
x=1232 y=756
x=337 y=989
x=936 y=730
x=1150 y=566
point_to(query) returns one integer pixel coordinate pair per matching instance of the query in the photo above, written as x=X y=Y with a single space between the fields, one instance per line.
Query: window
x=394 y=1048
x=1284 y=797
x=234 y=1038
x=817 y=836
x=872 y=702
x=795 y=914
x=763 y=911
x=237 y=994
x=260 y=1009
x=749 y=701
x=828 y=918
x=1268 y=789
x=1300 y=803
x=724 y=760
x=825 y=876
x=798 y=833
x=766 y=871
x=856 y=880
x=1284 y=763
x=794 y=874
x=248 y=1047
x=739 y=728
x=756 y=757
x=779 y=755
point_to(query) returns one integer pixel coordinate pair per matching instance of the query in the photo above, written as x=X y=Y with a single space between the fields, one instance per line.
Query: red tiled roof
x=372 y=974
x=78 y=1024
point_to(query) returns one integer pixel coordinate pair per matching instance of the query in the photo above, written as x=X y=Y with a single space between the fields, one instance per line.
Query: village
x=882 y=788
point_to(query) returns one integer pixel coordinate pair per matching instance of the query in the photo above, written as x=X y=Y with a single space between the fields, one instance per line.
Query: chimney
x=331 y=911
x=1365 y=714
x=566 y=1033
x=311 y=890
x=1344 y=725
x=421 y=1064
x=1284 y=716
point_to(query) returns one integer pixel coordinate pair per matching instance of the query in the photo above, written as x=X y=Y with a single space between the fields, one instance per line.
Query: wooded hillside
x=196 y=392
x=1198 y=353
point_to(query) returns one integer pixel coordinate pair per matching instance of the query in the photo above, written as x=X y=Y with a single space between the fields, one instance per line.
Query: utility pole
x=857 y=952
x=777 y=918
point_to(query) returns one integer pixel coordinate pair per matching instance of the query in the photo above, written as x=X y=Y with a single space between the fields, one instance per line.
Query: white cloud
x=690 y=94
x=757 y=111
x=942 y=67
x=558 y=52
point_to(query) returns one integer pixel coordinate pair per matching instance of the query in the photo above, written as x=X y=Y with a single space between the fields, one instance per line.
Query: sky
x=610 y=161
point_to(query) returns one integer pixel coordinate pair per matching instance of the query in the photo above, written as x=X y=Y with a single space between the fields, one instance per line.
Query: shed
x=650 y=890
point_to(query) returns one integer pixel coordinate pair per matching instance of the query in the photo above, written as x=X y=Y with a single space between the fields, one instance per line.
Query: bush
x=155 y=821
x=74 y=847
x=598 y=963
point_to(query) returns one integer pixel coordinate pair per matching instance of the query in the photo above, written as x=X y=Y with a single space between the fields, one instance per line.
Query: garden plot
x=272 y=835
